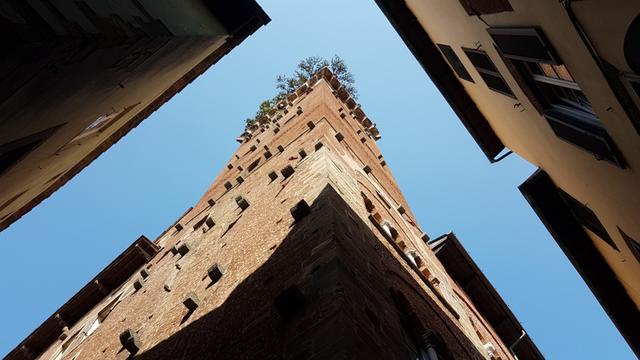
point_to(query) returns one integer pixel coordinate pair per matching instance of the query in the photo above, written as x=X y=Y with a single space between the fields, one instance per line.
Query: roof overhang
x=484 y=296
x=108 y=280
x=432 y=61
x=546 y=201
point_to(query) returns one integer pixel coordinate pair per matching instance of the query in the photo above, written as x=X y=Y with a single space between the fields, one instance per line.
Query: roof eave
x=544 y=198
x=434 y=64
x=526 y=350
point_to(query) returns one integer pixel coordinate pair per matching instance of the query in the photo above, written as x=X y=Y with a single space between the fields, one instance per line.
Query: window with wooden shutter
x=587 y=218
x=455 y=62
x=488 y=71
x=528 y=44
x=553 y=91
x=483 y=7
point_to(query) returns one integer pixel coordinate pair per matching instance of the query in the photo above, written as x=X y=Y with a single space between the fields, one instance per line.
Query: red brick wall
x=359 y=296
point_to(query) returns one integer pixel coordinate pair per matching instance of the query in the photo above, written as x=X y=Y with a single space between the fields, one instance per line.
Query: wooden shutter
x=633 y=245
x=522 y=82
x=488 y=71
x=528 y=44
x=591 y=138
x=482 y=7
x=587 y=218
x=455 y=62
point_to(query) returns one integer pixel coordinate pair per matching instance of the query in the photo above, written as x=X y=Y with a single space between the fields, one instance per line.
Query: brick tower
x=302 y=248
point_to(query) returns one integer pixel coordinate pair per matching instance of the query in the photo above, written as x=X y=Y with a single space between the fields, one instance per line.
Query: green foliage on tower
x=287 y=84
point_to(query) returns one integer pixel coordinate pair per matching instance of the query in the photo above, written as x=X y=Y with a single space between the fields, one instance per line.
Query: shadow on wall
x=324 y=293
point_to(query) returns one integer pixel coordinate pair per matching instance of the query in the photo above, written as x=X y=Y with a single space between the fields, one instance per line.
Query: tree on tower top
x=304 y=71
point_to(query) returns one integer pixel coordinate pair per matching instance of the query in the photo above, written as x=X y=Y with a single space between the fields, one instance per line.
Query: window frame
x=488 y=72
x=628 y=79
x=455 y=62
x=634 y=246
x=576 y=123
x=551 y=56
x=490 y=7
x=587 y=218
x=100 y=124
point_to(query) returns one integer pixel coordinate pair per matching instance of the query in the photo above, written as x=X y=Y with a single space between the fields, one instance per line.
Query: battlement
x=283 y=107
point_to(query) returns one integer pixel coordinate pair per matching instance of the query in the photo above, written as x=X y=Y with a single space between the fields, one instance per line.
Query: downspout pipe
x=431 y=353
x=566 y=4
x=429 y=346
x=516 y=343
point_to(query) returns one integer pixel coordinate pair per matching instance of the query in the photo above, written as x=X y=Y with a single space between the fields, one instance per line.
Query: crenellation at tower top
x=284 y=107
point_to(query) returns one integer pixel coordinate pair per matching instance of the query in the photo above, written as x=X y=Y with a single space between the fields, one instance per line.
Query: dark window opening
x=215 y=273
x=488 y=71
x=484 y=7
x=635 y=85
x=632 y=84
x=287 y=171
x=253 y=165
x=290 y=302
x=199 y=224
x=553 y=91
x=587 y=218
x=14 y=151
x=558 y=89
x=528 y=44
x=243 y=204
x=425 y=344
x=633 y=245
x=300 y=210
x=632 y=45
x=455 y=62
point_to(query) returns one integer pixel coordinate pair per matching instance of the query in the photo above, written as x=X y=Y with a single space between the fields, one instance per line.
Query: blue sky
x=145 y=181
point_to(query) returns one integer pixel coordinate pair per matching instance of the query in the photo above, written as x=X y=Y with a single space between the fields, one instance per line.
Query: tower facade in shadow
x=302 y=248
